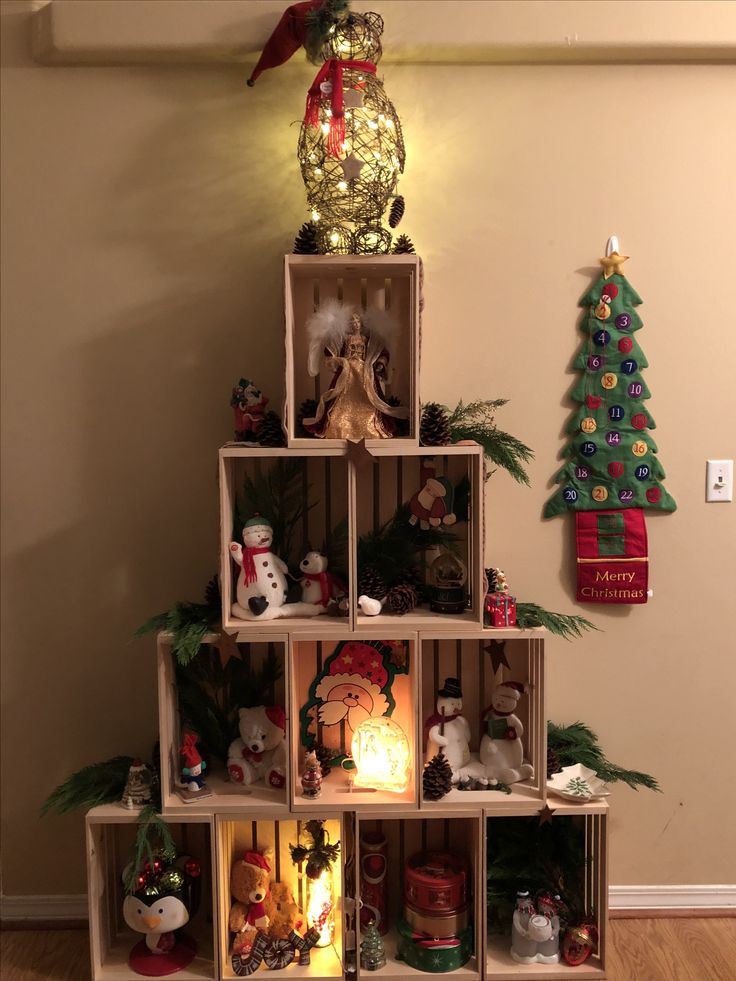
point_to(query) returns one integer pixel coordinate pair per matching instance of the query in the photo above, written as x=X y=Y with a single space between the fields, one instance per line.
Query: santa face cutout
x=349 y=697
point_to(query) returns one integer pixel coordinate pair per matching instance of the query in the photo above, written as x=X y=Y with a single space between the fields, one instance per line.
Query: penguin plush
x=163 y=903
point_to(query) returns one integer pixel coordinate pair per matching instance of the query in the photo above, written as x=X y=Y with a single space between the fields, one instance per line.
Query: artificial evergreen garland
x=577 y=743
x=153 y=837
x=319 y=853
x=477 y=421
x=98 y=783
x=567 y=625
x=188 y=623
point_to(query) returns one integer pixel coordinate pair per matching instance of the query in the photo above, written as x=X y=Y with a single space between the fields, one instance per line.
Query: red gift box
x=499 y=610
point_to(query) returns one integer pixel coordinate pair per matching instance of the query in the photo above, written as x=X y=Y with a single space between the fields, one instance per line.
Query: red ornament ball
x=193 y=868
x=616 y=469
x=639 y=420
x=593 y=401
x=625 y=345
x=577 y=945
x=653 y=495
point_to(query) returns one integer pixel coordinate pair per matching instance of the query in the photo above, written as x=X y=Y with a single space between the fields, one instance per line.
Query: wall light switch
x=719 y=480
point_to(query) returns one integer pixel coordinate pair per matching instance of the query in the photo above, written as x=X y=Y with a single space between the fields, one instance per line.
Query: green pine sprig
x=567 y=625
x=476 y=420
x=188 y=622
x=152 y=836
x=98 y=783
x=577 y=743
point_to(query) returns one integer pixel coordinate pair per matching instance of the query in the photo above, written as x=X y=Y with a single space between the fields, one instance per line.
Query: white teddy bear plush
x=260 y=751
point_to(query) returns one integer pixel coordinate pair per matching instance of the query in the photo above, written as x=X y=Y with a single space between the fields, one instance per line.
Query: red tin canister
x=436 y=883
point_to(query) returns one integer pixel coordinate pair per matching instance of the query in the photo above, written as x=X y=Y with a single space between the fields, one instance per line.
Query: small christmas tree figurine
x=437 y=778
x=372 y=951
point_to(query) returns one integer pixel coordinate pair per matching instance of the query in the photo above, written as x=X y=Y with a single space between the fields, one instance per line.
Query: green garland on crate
x=476 y=420
x=188 y=623
x=567 y=625
x=577 y=743
x=152 y=837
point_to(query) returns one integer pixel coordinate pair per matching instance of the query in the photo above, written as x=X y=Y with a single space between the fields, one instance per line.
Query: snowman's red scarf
x=331 y=72
x=249 y=566
x=436 y=720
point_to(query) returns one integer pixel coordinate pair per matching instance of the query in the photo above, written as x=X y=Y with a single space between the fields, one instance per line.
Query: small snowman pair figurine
x=535 y=930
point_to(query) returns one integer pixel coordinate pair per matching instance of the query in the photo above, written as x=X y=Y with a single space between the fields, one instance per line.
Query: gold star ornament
x=613 y=263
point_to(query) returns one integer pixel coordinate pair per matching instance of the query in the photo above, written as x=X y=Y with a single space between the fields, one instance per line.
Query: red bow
x=331 y=72
x=249 y=754
x=249 y=566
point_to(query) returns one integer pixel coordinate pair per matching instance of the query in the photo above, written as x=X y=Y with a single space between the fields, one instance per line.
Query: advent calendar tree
x=611 y=458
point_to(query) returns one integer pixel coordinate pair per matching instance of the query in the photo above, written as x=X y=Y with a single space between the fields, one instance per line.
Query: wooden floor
x=640 y=950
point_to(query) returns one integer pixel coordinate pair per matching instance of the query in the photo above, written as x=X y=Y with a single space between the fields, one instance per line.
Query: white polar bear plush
x=501 y=749
x=260 y=751
x=318 y=585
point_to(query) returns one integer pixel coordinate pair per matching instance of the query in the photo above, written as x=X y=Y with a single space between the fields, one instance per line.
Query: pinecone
x=397 y=211
x=270 y=431
x=403 y=246
x=401 y=599
x=307 y=410
x=371 y=583
x=437 y=778
x=325 y=757
x=305 y=242
x=553 y=762
x=434 y=428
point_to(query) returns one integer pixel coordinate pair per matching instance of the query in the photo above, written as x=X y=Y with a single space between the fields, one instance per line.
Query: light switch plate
x=719 y=480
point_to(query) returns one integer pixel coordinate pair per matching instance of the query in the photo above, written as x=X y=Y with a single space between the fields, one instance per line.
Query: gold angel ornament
x=354 y=346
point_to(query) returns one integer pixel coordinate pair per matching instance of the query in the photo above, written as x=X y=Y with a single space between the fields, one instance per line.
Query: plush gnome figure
x=501 y=748
x=448 y=730
x=193 y=767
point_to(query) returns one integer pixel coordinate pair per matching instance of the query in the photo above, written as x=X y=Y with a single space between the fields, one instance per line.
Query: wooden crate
x=390 y=283
x=110 y=833
x=226 y=796
x=322 y=487
x=592 y=819
x=392 y=480
x=308 y=655
x=257 y=833
x=405 y=835
x=468 y=659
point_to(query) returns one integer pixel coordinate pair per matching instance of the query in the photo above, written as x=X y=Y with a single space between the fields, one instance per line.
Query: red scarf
x=436 y=720
x=332 y=71
x=324 y=579
x=249 y=566
x=255 y=912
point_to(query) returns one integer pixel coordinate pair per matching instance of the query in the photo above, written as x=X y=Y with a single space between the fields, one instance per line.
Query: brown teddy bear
x=282 y=911
x=249 y=882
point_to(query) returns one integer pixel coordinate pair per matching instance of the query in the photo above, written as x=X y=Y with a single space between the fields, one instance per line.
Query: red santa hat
x=515 y=689
x=190 y=752
x=287 y=37
x=256 y=859
x=276 y=716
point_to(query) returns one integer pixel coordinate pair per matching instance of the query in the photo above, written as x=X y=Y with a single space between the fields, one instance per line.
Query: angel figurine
x=353 y=345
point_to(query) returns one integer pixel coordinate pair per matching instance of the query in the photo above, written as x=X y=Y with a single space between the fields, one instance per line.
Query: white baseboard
x=671 y=897
x=19 y=908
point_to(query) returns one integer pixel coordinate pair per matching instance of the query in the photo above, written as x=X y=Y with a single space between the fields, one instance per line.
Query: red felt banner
x=612 y=556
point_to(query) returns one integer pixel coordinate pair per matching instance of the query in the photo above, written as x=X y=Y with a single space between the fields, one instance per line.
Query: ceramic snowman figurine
x=535 y=933
x=262 y=578
x=501 y=748
x=448 y=730
x=318 y=585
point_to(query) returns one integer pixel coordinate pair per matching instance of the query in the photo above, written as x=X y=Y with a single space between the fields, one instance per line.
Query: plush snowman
x=501 y=748
x=318 y=585
x=448 y=730
x=262 y=578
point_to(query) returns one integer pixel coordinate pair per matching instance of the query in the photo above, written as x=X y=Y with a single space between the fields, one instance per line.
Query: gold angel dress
x=353 y=346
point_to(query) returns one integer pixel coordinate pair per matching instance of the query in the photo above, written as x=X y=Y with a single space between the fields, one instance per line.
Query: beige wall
x=145 y=214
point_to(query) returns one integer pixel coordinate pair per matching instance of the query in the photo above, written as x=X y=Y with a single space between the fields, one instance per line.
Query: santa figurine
x=192 y=771
x=248 y=404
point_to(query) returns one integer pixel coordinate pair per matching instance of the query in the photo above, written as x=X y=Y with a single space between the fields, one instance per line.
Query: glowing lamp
x=381 y=754
x=320 y=907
